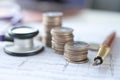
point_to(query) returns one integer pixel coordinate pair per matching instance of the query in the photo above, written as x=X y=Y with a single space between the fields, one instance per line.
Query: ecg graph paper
x=50 y=66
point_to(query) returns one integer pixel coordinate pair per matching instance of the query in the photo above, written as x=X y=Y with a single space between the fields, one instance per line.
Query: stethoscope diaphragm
x=24 y=44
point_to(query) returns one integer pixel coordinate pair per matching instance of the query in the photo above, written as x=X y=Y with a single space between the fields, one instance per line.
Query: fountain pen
x=104 y=49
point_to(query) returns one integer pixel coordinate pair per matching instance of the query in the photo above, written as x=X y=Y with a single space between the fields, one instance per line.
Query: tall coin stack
x=76 y=52
x=50 y=20
x=59 y=37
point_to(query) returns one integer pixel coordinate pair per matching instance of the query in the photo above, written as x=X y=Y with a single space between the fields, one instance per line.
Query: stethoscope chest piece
x=24 y=44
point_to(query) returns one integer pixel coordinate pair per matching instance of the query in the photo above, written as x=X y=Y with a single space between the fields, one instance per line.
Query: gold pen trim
x=103 y=51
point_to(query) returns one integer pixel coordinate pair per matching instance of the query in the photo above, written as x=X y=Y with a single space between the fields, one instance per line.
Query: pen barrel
x=103 y=52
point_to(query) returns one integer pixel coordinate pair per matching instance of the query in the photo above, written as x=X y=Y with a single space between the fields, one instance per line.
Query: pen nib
x=96 y=62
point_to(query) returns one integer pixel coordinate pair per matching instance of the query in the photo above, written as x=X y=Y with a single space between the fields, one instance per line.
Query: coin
x=76 y=52
x=53 y=14
x=62 y=31
x=77 y=62
x=60 y=36
x=94 y=46
x=77 y=45
x=51 y=20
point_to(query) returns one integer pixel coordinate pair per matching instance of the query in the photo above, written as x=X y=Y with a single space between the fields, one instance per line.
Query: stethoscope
x=23 y=43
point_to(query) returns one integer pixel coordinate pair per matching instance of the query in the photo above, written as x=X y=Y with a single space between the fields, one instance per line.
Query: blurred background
x=31 y=10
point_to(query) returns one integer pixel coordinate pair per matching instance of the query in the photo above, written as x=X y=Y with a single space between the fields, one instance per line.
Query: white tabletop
x=89 y=26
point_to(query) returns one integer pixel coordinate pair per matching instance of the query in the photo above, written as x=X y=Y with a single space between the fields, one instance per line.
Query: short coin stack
x=51 y=20
x=76 y=52
x=59 y=37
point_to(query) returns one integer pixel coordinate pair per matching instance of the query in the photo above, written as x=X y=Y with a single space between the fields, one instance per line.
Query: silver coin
x=77 y=62
x=62 y=30
x=59 y=52
x=53 y=14
x=94 y=46
x=62 y=36
x=59 y=37
x=62 y=39
x=76 y=57
x=77 y=45
x=76 y=52
x=58 y=43
x=52 y=25
x=57 y=47
x=51 y=20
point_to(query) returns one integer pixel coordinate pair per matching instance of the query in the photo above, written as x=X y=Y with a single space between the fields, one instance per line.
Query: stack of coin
x=76 y=52
x=51 y=20
x=59 y=37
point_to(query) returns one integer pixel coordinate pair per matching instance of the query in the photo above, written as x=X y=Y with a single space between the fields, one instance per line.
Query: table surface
x=89 y=26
